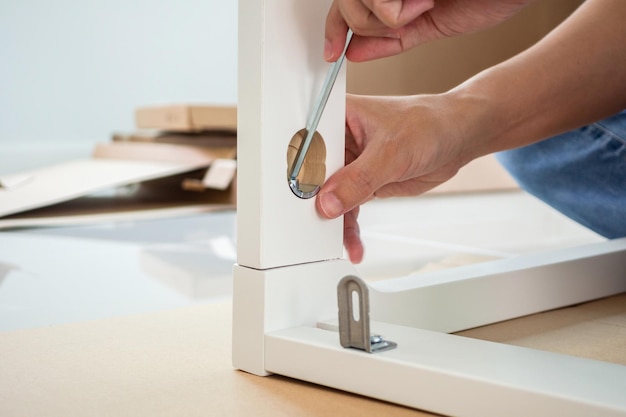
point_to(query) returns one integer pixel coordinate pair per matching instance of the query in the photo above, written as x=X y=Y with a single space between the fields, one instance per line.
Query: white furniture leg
x=281 y=236
x=281 y=71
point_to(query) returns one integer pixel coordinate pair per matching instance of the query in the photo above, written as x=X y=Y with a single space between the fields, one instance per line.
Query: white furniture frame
x=289 y=264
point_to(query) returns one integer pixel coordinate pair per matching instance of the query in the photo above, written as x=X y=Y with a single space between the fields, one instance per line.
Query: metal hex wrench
x=313 y=121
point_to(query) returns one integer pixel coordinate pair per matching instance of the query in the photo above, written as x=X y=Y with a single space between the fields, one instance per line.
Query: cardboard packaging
x=135 y=176
x=187 y=118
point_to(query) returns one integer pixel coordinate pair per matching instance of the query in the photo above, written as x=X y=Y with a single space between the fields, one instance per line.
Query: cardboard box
x=188 y=166
x=187 y=118
x=213 y=139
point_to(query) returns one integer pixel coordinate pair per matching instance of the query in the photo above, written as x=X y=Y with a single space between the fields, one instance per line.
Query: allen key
x=313 y=121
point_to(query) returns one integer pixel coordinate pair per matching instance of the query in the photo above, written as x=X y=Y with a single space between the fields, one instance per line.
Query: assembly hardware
x=313 y=121
x=354 y=317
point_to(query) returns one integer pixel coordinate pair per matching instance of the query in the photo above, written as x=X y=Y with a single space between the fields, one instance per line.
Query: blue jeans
x=581 y=173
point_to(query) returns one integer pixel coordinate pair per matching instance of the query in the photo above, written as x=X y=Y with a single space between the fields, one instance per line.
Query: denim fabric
x=581 y=173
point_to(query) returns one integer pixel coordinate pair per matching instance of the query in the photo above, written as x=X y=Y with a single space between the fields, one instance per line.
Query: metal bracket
x=354 y=317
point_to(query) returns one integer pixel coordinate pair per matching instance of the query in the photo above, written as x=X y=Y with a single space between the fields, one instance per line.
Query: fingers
x=336 y=30
x=352 y=185
x=353 y=13
x=360 y=18
x=380 y=27
x=397 y=13
x=352 y=236
x=368 y=166
x=365 y=49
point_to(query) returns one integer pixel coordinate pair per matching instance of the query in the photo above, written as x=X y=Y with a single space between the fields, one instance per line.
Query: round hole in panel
x=313 y=171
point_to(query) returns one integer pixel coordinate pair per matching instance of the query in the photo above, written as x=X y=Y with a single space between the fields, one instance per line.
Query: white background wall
x=72 y=71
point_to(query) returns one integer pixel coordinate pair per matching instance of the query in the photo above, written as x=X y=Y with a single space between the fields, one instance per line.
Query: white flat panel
x=452 y=375
x=281 y=70
x=472 y=296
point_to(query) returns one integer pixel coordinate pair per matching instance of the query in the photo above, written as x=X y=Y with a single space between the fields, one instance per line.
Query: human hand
x=389 y=27
x=395 y=146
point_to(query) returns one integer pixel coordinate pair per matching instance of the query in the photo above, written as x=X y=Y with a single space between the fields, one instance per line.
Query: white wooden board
x=281 y=70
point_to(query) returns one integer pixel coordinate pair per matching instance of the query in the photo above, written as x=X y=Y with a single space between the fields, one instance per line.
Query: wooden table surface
x=178 y=363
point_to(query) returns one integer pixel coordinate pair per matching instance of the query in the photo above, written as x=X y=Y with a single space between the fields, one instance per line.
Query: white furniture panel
x=281 y=71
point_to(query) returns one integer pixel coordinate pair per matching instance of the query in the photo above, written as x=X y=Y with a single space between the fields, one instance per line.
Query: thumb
x=350 y=187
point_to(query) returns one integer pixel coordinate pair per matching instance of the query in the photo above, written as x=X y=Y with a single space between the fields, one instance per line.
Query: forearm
x=574 y=76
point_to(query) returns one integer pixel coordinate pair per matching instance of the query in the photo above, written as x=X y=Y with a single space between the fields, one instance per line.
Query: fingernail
x=328 y=50
x=331 y=206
